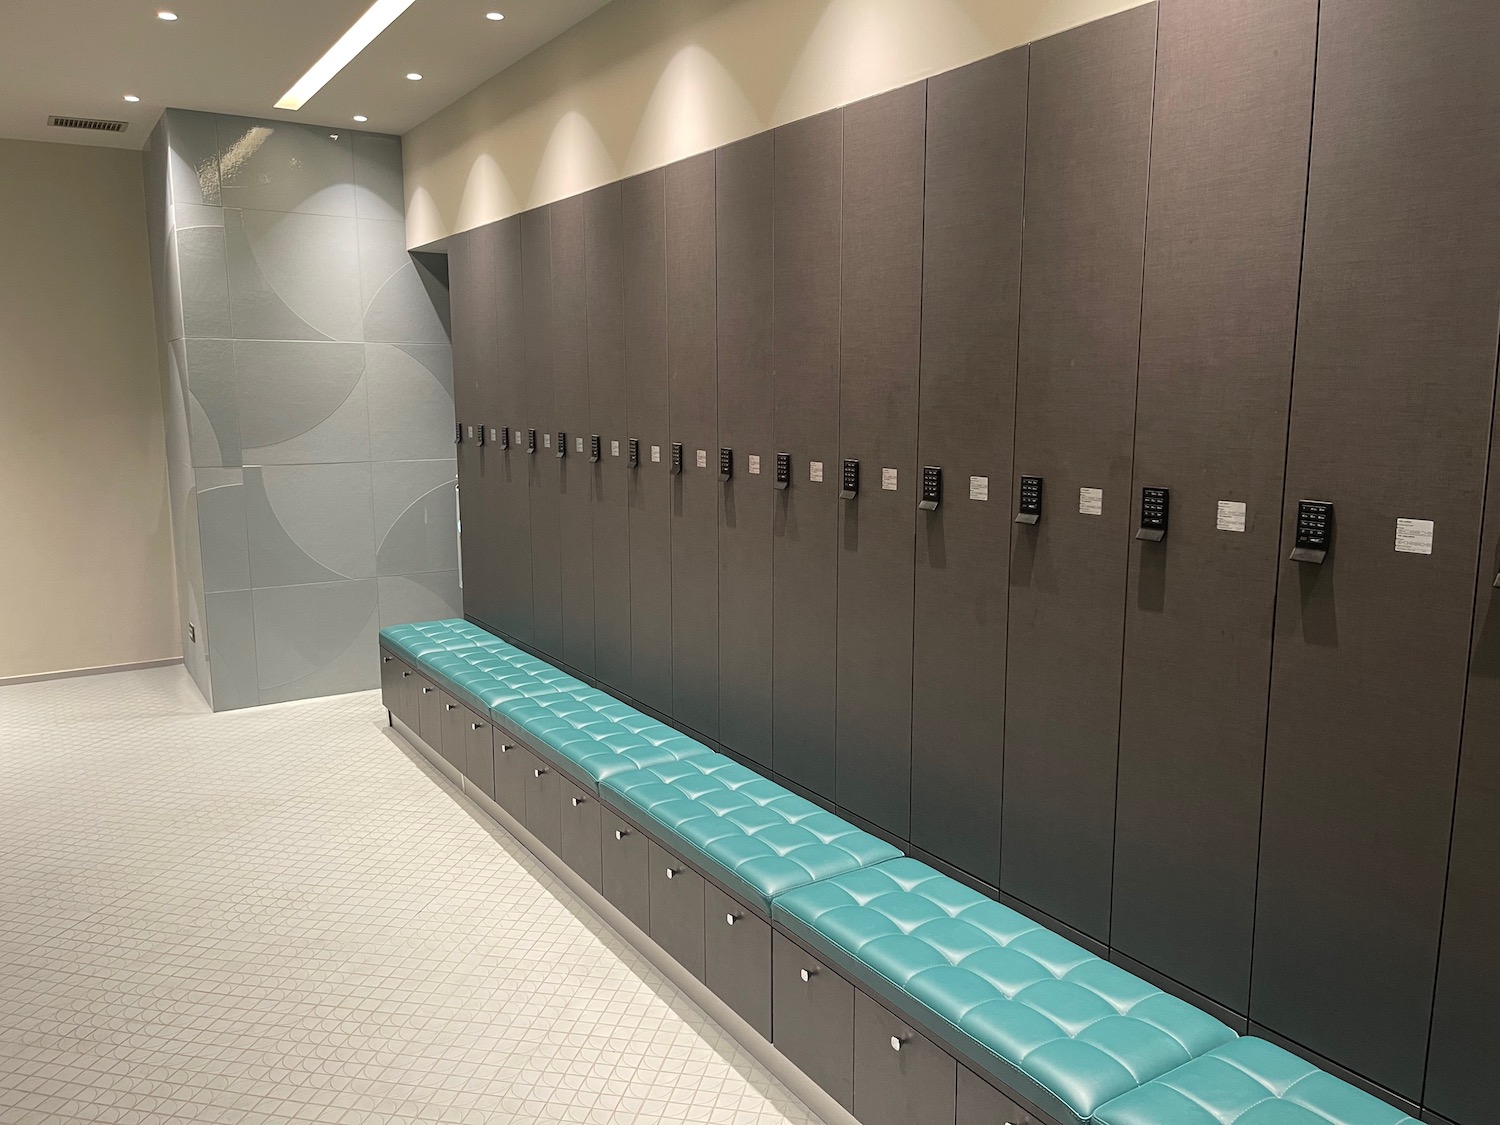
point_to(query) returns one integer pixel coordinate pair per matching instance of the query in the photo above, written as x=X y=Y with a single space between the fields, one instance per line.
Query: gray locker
x=1223 y=254
x=479 y=753
x=976 y=159
x=429 y=712
x=454 y=745
x=543 y=472
x=879 y=361
x=543 y=799
x=745 y=192
x=508 y=470
x=812 y=1014
x=575 y=475
x=643 y=203
x=807 y=232
x=737 y=957
x=900 y=1076
x=579 y=845
x=1391 y=414
x=611 y=478
x=625 y=871
x=693 y=409
x=1087 y=149
x=510 y=775
x=676 y=908
x=979 y=1103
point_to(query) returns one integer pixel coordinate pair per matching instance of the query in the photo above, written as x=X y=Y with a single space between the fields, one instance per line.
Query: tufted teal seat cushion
x=427 y=638
x=759 y=838
x=1249 y=1082
x=594 y=736
x=1057 y=1024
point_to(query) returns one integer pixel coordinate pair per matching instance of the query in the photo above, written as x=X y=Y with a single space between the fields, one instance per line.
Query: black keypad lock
x=530 y=441
x=594 y=444
x=479 y=434
x=850 y=480
x=503 y=434
x=932 y=488
x=1154 y=503
x=676 y=458
x=635 y=452
x=562 y=444
x=783 y=471
x=458 y=433
x=1031 y=500
x=1314 y=531
x=726 y=464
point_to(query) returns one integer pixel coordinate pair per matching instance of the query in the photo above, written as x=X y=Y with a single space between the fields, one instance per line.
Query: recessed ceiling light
x=360 y=117
x=380 y=16
x=414 y=77
x=494 y=15
x=131 y=98
x=168 y=16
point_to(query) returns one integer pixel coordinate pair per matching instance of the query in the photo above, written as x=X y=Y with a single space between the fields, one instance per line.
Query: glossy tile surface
x=278 y=916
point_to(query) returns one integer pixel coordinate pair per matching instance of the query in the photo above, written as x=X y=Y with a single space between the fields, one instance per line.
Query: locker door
x=1088 y=144
x=1392 y=399
x=976 y=158
x=644 y=210
x=570 y=369
x=745 y=188
x=611 y=478
x=879 y=359
x=808 y=228
x=1223 y=255
x=511 y=467
x=693 y=409
x=544 y=475
x=471 y=266
x=479 y=753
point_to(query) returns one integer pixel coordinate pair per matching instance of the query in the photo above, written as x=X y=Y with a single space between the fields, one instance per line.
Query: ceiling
x=81 y=57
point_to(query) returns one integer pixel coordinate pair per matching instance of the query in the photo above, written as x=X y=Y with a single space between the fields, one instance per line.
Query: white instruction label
x=815 y=471
x=656 y=453
x=979 y=488
x=1231 y=515
x=754 y=463
x=518 y=437
x=614 y=449
x=702 y=458
x=888 y=479
x=1091 y=501
x=494 y=434
x=546 y=441
x=580 y=445
x=1414 y=537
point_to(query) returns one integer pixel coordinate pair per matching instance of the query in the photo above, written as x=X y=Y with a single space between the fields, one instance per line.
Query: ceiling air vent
x=93 y=124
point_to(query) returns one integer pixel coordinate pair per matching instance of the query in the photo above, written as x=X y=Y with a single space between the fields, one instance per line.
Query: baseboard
x=492 y=816
x=70 y=673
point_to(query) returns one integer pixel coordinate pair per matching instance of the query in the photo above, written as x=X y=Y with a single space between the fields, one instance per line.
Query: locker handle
x=732 y=918
x=405 y=674
x=621 y=833
x=452 y=707
x=896 y=1042
x=428 y=690
x=671 y=873
x=808 y=974
x=503 y=748
x=473 y=726
x=385 y=659
x=577 y=801
x=539 y=772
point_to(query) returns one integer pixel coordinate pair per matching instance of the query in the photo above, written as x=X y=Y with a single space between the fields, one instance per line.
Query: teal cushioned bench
x=1059 y=1026
x=427 y=638
x=757 y=837
x=1249 y=1082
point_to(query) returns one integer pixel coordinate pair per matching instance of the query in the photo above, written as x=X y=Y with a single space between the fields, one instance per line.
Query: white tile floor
x=277 y=916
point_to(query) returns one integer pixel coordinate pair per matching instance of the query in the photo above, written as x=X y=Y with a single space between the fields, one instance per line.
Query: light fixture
x=414 y=77
x=360 y=117
x=380 y=16
x=170 y=17
x=131 y=98
x=497 y=16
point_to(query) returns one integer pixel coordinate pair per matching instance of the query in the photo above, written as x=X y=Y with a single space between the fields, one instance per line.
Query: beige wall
x=85 y=535
x=645 y=82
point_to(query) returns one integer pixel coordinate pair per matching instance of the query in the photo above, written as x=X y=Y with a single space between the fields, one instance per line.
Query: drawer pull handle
x=671 y=873
x=504 y=749
x=427 y=691
x=621 y=833
x=385 y=659
x=474 y=726
x=808 y=974
x=896 y=1042
x=731 y=918
x=577 y=801
x=452 y=707
x=405 y=674
x=539 y=772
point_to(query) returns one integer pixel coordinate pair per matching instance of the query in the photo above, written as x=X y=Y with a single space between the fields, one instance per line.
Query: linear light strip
x=381 y=15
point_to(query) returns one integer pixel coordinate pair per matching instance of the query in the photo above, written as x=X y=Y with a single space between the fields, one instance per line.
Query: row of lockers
x=1143 y=253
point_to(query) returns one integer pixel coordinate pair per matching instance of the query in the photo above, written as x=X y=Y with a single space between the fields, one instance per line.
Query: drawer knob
x=539 y=772
x=385 y=659
x=473 y=726
x=426 y=691
x=621 y=833
x=504 y=749
x=808 y=974
x=452 y=707
x=896 y=1042
x=731 y=918
x=405 y=674
x=671 y=873
x=577 y=801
